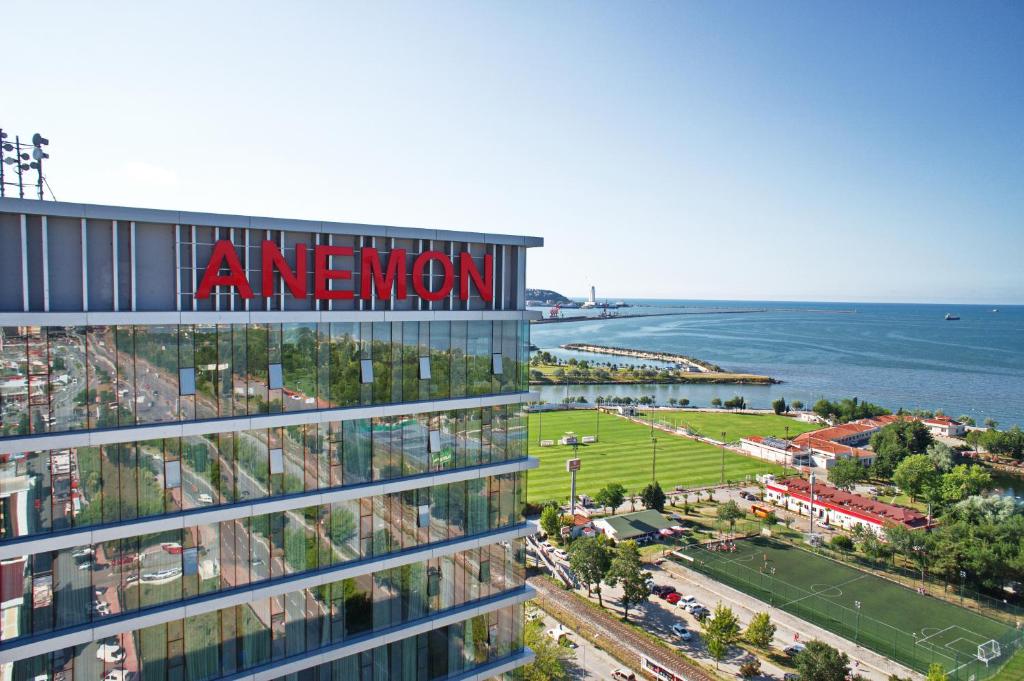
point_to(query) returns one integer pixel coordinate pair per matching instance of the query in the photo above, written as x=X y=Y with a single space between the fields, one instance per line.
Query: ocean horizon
x=899 y=355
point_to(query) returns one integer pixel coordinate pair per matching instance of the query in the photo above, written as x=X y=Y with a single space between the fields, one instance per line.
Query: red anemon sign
x=384 y=278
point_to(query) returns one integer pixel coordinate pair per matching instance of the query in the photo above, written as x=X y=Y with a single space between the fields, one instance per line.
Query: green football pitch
x=913 y=629
x=623 y=453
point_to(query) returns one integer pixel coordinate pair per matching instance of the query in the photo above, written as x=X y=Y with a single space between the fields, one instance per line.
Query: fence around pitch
x=898 y=645
x=972 y=598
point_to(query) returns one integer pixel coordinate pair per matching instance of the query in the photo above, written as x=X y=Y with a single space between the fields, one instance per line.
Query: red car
x=171 y=547
x=673 y=598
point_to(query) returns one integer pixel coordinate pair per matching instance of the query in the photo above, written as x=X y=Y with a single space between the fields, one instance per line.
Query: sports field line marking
x=937 y=633
x=835 y=586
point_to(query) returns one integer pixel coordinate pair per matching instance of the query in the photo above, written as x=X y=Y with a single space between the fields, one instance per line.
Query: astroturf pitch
x=895 y=621
x=623 y=454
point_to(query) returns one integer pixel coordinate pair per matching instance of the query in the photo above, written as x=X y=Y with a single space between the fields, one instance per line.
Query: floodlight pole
x=856 y=637
x=963 y=576
x=654 y=459
x=722 y=482
x=811 y=480
x=17 y=156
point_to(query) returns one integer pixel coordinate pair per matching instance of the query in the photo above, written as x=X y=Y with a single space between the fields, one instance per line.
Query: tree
x=653 y=497
x=964 y=481
x=849 y=409
x=797 y=405
x=550 y=521
x=779 y=406
x=991 y=423
x=941 y=455
x=672 y=401
x=846 y=473
x=897 y=441
x=611 y=495
x=819 y=661
x=591 y=558
x=716 y=402
x=736 y=402
x=720 y=631
x=549 y=657
x=627 y=571
x=915 y=474
x=730 y=512
x=683 y=402
x=966 y=420
x=936 y=672
x=761 y=630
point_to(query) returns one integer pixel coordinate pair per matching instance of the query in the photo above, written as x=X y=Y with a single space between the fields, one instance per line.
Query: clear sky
x=728 y=150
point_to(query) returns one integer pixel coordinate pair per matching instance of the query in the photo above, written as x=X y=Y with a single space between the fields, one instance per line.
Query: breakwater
x=670 y=357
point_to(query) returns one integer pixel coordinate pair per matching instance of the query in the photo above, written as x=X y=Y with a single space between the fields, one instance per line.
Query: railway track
x=617 y=637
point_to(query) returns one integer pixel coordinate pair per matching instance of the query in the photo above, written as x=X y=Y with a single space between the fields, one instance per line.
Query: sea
x=896 y=355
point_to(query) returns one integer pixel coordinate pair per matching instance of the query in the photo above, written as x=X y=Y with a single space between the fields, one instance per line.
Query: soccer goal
x=988 y=651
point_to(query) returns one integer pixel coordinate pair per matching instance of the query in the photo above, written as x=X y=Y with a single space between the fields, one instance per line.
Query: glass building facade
x=198 y=487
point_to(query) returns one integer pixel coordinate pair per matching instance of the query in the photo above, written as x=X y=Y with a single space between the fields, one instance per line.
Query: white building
x=945 y=426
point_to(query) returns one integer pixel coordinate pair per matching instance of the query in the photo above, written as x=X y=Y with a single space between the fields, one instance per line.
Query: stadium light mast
x=811 y=480
x=22 y=162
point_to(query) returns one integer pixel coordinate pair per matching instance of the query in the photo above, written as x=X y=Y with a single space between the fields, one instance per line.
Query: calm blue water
x=892 y=354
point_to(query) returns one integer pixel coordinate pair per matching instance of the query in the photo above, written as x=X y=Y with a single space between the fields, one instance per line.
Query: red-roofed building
x=943 y=425
x=841 y=508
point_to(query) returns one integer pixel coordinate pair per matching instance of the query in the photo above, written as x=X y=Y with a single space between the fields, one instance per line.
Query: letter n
x=295 y=279
x=468 y=271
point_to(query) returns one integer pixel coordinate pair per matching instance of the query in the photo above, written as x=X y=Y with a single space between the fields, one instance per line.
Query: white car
x=204 y=499
x=684 y=601
x=681 y=631
x=108 y=652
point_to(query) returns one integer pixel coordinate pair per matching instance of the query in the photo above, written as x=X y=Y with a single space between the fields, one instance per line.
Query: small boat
x=950 y=317
x=995 y=309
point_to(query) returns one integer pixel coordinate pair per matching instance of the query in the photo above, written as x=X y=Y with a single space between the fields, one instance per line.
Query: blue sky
x=808 y=151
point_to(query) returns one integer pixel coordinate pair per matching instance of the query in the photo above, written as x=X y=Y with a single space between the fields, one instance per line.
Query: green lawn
x=712 y=423
x=623 y=454
x=894 y=621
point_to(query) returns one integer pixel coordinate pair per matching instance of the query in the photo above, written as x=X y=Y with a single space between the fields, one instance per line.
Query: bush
x=750 y=669
x=841 y=542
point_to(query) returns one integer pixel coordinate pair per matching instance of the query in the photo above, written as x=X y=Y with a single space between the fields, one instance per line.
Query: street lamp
x=963 y=576
x=856 y=636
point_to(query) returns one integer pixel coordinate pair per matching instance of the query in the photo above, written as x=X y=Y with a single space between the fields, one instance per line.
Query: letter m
x=383 y=280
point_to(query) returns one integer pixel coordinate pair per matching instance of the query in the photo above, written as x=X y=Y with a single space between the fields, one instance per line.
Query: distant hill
x=545 y=296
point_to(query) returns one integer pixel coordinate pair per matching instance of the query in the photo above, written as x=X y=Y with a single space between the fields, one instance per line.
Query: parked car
x=623 y=674
x=684 y=600
x=794 y=650
x=662 y=590
x=700 y=612
x=673 y=598
x=120 y=675
x=171 y=547
x=790 y=676
x=109 y=652
x=681 y=631
x=204 y=499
